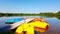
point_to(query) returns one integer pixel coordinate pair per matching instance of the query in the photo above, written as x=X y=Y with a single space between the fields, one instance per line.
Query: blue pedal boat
x=14 y=20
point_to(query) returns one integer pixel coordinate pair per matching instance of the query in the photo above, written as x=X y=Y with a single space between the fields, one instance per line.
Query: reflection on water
x=53 y=21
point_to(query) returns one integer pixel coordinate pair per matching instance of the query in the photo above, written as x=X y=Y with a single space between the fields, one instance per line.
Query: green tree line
x=17 y=14
x=57 y=15
x=49 y=14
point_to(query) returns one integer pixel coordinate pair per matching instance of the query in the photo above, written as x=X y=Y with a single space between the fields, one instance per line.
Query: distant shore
x=22 y=14
x=49 y=14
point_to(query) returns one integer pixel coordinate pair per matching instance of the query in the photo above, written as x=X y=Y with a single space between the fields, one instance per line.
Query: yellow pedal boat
x=37 y=24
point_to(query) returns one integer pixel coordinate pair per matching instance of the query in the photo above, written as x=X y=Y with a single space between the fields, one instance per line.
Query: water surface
x=53 y=21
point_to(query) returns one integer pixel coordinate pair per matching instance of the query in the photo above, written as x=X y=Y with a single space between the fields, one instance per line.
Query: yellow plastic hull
x=25 y=27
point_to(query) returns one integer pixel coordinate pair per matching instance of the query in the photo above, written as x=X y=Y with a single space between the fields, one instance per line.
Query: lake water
x=53 y=21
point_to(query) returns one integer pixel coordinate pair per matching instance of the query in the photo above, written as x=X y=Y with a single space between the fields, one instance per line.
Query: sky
x=29 y=6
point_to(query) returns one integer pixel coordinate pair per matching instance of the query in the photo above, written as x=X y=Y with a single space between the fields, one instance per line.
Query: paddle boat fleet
x=28 y=25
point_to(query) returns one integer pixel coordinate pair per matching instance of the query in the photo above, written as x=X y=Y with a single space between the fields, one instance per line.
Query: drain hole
x=24 y=32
